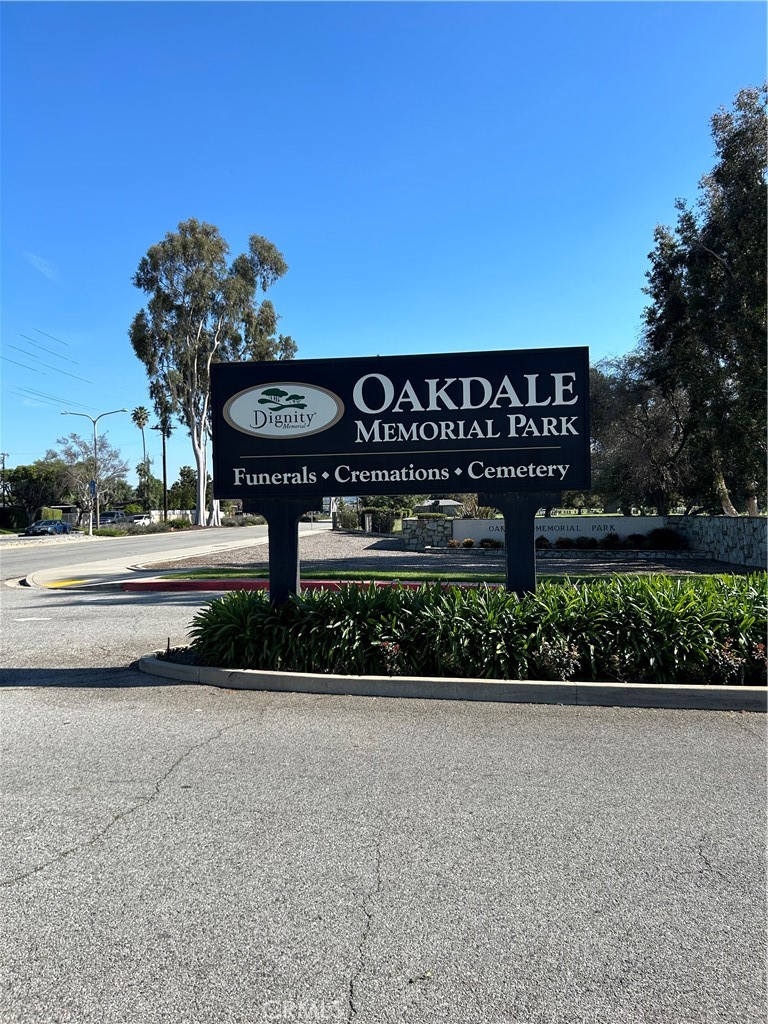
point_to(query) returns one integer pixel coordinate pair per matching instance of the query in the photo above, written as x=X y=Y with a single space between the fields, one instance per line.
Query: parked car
x=141 y=519
x=114 y=517
x=47 y=526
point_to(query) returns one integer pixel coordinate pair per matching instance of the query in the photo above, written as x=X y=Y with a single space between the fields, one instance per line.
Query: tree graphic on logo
x=278 y=399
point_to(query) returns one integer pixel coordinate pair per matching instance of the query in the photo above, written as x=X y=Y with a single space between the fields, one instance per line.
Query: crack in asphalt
x=367 y=899
x=743 y=722
x=707 y=863
x=64 y=854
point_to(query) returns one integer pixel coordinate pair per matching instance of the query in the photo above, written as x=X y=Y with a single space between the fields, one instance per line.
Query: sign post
x=512 y=425
x=519 y=511
x=282 y=517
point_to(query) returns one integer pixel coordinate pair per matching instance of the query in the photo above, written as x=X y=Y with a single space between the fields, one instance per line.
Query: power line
x=56 y=398
x=40 y=396
x=54 y=368
x=52 y=337
x=34 y=369
x=36 y=398
x=37 y=344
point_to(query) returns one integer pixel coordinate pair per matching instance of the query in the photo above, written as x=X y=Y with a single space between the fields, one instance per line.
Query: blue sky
x=439 y=176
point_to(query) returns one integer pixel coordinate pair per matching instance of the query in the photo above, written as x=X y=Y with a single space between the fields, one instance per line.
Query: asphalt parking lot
x=185 y=854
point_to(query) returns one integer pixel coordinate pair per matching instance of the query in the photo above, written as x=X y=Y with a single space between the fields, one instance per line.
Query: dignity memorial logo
x=283 y=410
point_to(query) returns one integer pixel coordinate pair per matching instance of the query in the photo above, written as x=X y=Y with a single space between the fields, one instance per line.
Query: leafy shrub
x=563 y=542
x=431 y=515
x=133 y=510
x=140 y=530
x=585 y=543
x=610 y=542
x=179 y=524
x=632 y=629
x=50 y=513
x=246 y=520
x=12 y=518
x=665 y=539
x=635 y=541
x=542 y=542
x=347 y=519
x=453 y=543
x=382 y=519
x=467 y=543
x=489 y=542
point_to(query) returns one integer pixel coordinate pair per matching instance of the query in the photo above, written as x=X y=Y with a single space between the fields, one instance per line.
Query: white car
x=141 y=519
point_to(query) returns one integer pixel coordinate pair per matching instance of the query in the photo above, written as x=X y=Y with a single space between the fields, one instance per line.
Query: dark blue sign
x=470 y=421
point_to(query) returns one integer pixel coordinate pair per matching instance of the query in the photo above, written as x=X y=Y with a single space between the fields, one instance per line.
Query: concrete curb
x=703 y=698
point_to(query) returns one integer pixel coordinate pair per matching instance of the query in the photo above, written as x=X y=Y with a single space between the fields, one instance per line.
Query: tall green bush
x=347 y=518
x=382 y=519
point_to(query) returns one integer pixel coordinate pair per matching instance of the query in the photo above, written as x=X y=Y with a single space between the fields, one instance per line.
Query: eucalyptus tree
x=203 y=308
x=705 y=327
x=140 y=417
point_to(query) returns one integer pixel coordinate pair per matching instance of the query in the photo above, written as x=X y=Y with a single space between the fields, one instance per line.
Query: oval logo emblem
x=283 y=410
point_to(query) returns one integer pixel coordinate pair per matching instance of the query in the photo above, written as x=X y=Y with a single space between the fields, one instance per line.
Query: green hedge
x=348 y=519
x=709 y=630
x=382 y=519
x=662 y=539
x=13 y=518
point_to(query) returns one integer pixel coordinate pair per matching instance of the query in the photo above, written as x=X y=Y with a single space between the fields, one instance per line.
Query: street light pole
x=94 y=420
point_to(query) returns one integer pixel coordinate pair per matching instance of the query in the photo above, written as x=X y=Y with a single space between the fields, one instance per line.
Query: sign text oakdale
x=504 y=421
x=375 y=393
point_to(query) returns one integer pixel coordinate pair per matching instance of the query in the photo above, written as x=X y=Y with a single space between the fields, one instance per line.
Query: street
x=21 y=556
x=94 y=628
x=197 y=855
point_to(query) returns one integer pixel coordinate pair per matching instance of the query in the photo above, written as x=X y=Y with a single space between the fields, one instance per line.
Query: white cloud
x=42 y=265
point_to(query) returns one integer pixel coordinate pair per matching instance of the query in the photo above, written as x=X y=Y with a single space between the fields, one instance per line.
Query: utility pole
x=3 y=456
x=165 y=432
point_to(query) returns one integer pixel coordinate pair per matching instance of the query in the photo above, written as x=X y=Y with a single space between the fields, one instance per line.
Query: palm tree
x=140 y=417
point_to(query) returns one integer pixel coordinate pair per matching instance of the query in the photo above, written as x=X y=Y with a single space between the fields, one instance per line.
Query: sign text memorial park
x=513 y=426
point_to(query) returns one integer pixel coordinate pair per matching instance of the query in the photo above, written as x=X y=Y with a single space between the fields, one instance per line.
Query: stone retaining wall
x=419 y=534
x=739 y=541
x=734 y=541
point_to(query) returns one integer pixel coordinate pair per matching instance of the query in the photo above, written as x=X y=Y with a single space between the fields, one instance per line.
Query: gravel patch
x=17 y=541
x=333 y=551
